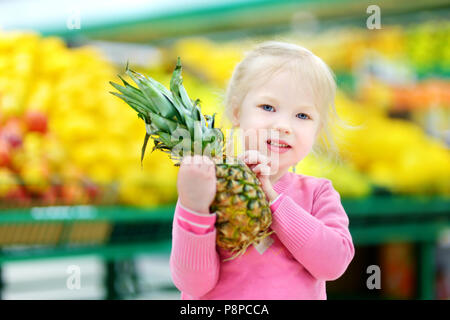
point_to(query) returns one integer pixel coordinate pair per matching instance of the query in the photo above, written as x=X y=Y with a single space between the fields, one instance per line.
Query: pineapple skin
x=243 y=211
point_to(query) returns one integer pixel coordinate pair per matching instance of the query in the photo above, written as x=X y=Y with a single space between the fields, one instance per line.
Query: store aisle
x=83 y=278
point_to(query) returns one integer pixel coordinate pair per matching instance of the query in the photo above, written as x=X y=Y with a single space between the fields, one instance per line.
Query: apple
x=50 y=196
x=36 y=121
x=8 y=181
x=36 y=176
x=92 y=190
x=12 y=132
x=19 y=196
x=73 y=193
x=5 y=154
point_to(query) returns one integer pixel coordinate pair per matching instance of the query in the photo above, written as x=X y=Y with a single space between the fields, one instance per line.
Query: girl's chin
x=277 y=174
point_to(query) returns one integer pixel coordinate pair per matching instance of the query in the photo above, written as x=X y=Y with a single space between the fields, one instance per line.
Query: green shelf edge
x=409 y=232
x=235 y=18
x=435 y=210
x=375 y=206
x=428 y=232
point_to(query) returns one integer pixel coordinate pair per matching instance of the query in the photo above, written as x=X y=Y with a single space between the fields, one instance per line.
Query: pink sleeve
x=275 y=203
x=319 y=240
x=193 y=221
x=194 y=261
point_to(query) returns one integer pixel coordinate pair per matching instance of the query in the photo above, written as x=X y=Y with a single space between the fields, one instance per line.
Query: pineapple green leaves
x=165 y=111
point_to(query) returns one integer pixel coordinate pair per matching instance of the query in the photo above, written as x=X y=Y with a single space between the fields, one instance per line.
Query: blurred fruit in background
x=384 y=153
x=346 y=178
x=62 y=135
x=203 y=58
x=395 y=153
x=65 y=139
x=397 y=260
x=5 y=154
x=8 y=182
x=36 y=121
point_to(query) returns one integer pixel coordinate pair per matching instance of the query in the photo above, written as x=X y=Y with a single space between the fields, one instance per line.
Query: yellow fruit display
x=394 y=153
x=346 y=178
x=206 y=59
x=89 y=132
x=7 y=182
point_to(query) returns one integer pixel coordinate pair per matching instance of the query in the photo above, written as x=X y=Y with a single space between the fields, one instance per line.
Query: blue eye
x=304 y=114
x=266 y=107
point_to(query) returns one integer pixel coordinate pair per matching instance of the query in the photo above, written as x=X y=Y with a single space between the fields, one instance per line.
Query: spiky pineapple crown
x=172 y=119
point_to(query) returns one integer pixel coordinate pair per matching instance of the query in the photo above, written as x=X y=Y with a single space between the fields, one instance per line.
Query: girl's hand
x=261 y=166
x=197 y=183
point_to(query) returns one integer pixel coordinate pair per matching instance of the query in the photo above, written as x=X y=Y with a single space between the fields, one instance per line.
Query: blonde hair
x=270 y=57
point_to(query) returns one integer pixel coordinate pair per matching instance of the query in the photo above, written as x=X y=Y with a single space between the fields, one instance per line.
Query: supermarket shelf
x=133 y=231
x=373 y=219
x=110 y=231
x=110 y=252
x=86 y=213
x=396 y=205
x=374 y=206
x=164 y=20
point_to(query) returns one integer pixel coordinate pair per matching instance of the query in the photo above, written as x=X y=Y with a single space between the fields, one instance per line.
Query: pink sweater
x=311 y=244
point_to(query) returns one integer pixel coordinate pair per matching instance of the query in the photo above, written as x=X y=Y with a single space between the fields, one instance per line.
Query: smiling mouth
x=278 y=145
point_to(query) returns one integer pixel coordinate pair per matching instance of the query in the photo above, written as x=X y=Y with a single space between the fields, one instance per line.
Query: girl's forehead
x=282 y=83
x=282 y=90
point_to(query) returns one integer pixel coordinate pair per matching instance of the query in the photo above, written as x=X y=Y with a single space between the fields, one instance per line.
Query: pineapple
x=243 y=211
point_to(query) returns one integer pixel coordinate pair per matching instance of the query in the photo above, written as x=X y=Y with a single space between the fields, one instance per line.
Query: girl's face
x=280 y=110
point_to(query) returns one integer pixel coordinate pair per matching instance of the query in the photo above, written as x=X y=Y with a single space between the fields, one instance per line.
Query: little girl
x=286 y=90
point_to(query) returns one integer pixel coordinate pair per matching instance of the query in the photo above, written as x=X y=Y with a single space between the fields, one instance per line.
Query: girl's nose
x=283 y=129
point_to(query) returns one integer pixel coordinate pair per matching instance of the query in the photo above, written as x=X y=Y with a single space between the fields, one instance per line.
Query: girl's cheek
x=302 y=151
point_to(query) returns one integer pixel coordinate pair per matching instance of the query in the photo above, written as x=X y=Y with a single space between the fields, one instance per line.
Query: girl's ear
x=235 y=112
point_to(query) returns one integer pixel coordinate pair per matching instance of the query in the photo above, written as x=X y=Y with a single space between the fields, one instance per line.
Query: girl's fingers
x=187 y=160
x=207 y=163
x=201 y=162
x=250 y=156
x=262 y=169
x=253 y=157
x=209 y=160
x=212 y=170
x=197 y=161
